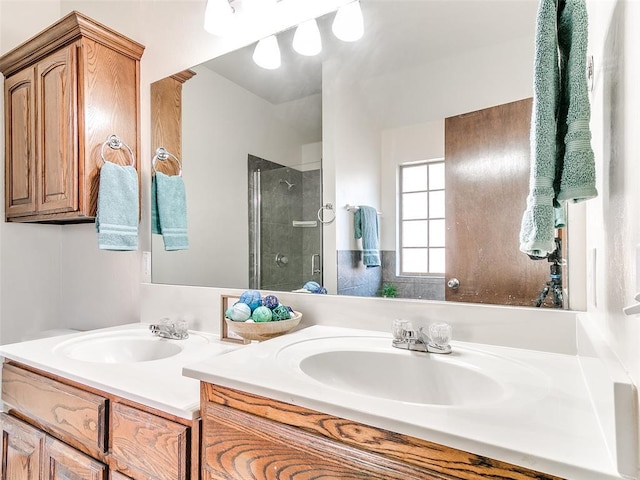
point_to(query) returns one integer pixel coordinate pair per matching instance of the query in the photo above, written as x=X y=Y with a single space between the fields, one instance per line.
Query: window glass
x=422 y=218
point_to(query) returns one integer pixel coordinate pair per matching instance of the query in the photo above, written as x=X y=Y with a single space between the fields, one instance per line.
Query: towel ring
x=114 y=143
x=162 y=154
x=326 y=206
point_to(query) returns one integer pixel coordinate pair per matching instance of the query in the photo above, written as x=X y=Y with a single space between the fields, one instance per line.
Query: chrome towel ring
x=326 y=206
x=114 y=143
x=163 y=155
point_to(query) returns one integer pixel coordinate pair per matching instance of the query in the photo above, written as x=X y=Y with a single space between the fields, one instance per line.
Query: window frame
x=400 y=221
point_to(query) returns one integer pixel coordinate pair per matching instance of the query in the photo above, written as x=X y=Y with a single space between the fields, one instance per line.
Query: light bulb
x=306 y=40
x=218 y=17
x=348 y=25
x=267 y=53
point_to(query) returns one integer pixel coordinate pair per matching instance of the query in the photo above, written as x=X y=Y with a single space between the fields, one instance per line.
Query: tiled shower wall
x=280 y=207
x=355 y=279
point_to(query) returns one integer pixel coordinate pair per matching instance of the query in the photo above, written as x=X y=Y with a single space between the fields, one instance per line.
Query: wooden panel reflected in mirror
x=487 y=175
x=166 y=119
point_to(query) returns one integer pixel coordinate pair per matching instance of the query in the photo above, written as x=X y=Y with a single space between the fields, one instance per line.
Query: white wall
x=613 y=224
x=418 y=142
x=55 y=276
x=39 y=289
x=371 y=125
x=222 y=123
x=30 y=255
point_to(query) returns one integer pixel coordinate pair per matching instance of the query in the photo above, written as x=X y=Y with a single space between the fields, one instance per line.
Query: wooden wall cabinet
x=66 y=90
x=248 y=437
x=58 y=429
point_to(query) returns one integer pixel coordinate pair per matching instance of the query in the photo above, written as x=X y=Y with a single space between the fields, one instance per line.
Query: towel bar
x=162 y=154
x=353 y=208
x=115 y=143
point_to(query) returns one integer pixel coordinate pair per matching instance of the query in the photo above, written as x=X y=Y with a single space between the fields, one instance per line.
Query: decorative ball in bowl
x=263 y=330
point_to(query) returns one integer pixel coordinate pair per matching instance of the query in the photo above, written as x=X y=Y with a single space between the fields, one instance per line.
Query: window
x=422 y=227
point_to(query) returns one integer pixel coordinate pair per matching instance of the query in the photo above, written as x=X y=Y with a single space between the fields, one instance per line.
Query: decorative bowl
x=263 y=330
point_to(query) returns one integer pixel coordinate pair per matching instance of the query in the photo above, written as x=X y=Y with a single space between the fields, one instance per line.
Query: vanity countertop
x=549 y=426
x=157 y=383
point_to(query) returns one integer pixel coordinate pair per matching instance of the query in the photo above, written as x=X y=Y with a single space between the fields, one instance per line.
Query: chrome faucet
x=407 y=338
x=172 y=330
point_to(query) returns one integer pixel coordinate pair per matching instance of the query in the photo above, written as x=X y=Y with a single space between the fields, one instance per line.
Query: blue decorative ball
x=281 y=312
x=262 y=314
x=239 y=312
x=270 y=301
x=251 y=298
x=314 y=287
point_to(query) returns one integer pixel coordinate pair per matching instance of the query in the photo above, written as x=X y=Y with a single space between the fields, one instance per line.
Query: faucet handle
x=440 y=334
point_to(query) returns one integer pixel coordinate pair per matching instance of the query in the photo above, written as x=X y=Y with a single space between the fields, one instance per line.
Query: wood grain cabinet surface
x=66 y=90
x=71 y=414
x=248 y=437
x=65 y=463
x=58 y=429
x=22 y=450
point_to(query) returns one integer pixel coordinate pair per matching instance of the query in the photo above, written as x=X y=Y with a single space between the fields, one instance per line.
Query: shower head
x=289 y=184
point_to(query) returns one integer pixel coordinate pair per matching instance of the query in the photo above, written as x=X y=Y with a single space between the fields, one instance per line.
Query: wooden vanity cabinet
x=59 y=429
x=30 y=454
x=248 y=437
x=66 y=90
x=22 y=449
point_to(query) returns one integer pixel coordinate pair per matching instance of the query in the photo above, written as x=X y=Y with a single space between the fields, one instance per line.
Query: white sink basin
x=371 y=367
x=123 y=347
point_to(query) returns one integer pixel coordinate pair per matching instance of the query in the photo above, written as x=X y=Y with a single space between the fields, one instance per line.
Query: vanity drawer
x=240 y=445
x=145 y=446
x=74 y=416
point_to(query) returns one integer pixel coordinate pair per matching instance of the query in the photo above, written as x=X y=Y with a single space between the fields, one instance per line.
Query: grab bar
x=315 y=269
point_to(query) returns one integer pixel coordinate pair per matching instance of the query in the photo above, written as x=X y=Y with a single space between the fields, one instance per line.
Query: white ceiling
x=398 y=33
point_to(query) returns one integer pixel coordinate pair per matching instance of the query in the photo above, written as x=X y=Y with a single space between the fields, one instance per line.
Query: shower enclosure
x=285 y=236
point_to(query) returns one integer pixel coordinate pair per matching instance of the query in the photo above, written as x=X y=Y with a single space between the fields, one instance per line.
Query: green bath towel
x=365 y=222
x=169 y=210
x=577 y=181
x=118 y=205
x=562 y=161
x=537 y=230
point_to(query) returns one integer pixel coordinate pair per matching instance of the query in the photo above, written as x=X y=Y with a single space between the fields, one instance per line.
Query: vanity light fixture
x=267 y=53
x=348 y=24
x=306 y=40
x=218 y=17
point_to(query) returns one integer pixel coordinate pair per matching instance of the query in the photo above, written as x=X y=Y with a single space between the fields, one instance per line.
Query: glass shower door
x=285 y=234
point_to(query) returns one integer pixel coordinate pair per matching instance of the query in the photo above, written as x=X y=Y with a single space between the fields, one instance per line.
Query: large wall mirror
x=269 y=155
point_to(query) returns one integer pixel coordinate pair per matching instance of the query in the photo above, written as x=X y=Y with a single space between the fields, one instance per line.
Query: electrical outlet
x=146 y=264
x=592 y=277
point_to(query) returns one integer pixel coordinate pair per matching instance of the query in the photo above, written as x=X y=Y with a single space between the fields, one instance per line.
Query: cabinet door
x=22 y=450
x=57 y=129
x=145 y=446
x=65 y=463
x=20 y=144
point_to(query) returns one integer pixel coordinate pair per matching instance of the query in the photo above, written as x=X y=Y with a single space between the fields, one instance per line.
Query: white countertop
x=158 y=383
x=549 y=426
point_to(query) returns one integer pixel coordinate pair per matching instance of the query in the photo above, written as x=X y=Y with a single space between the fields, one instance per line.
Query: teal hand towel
x=171 y=210
x=537 y=228
x=118 y=206
x=365 y=222
x=577 y=181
